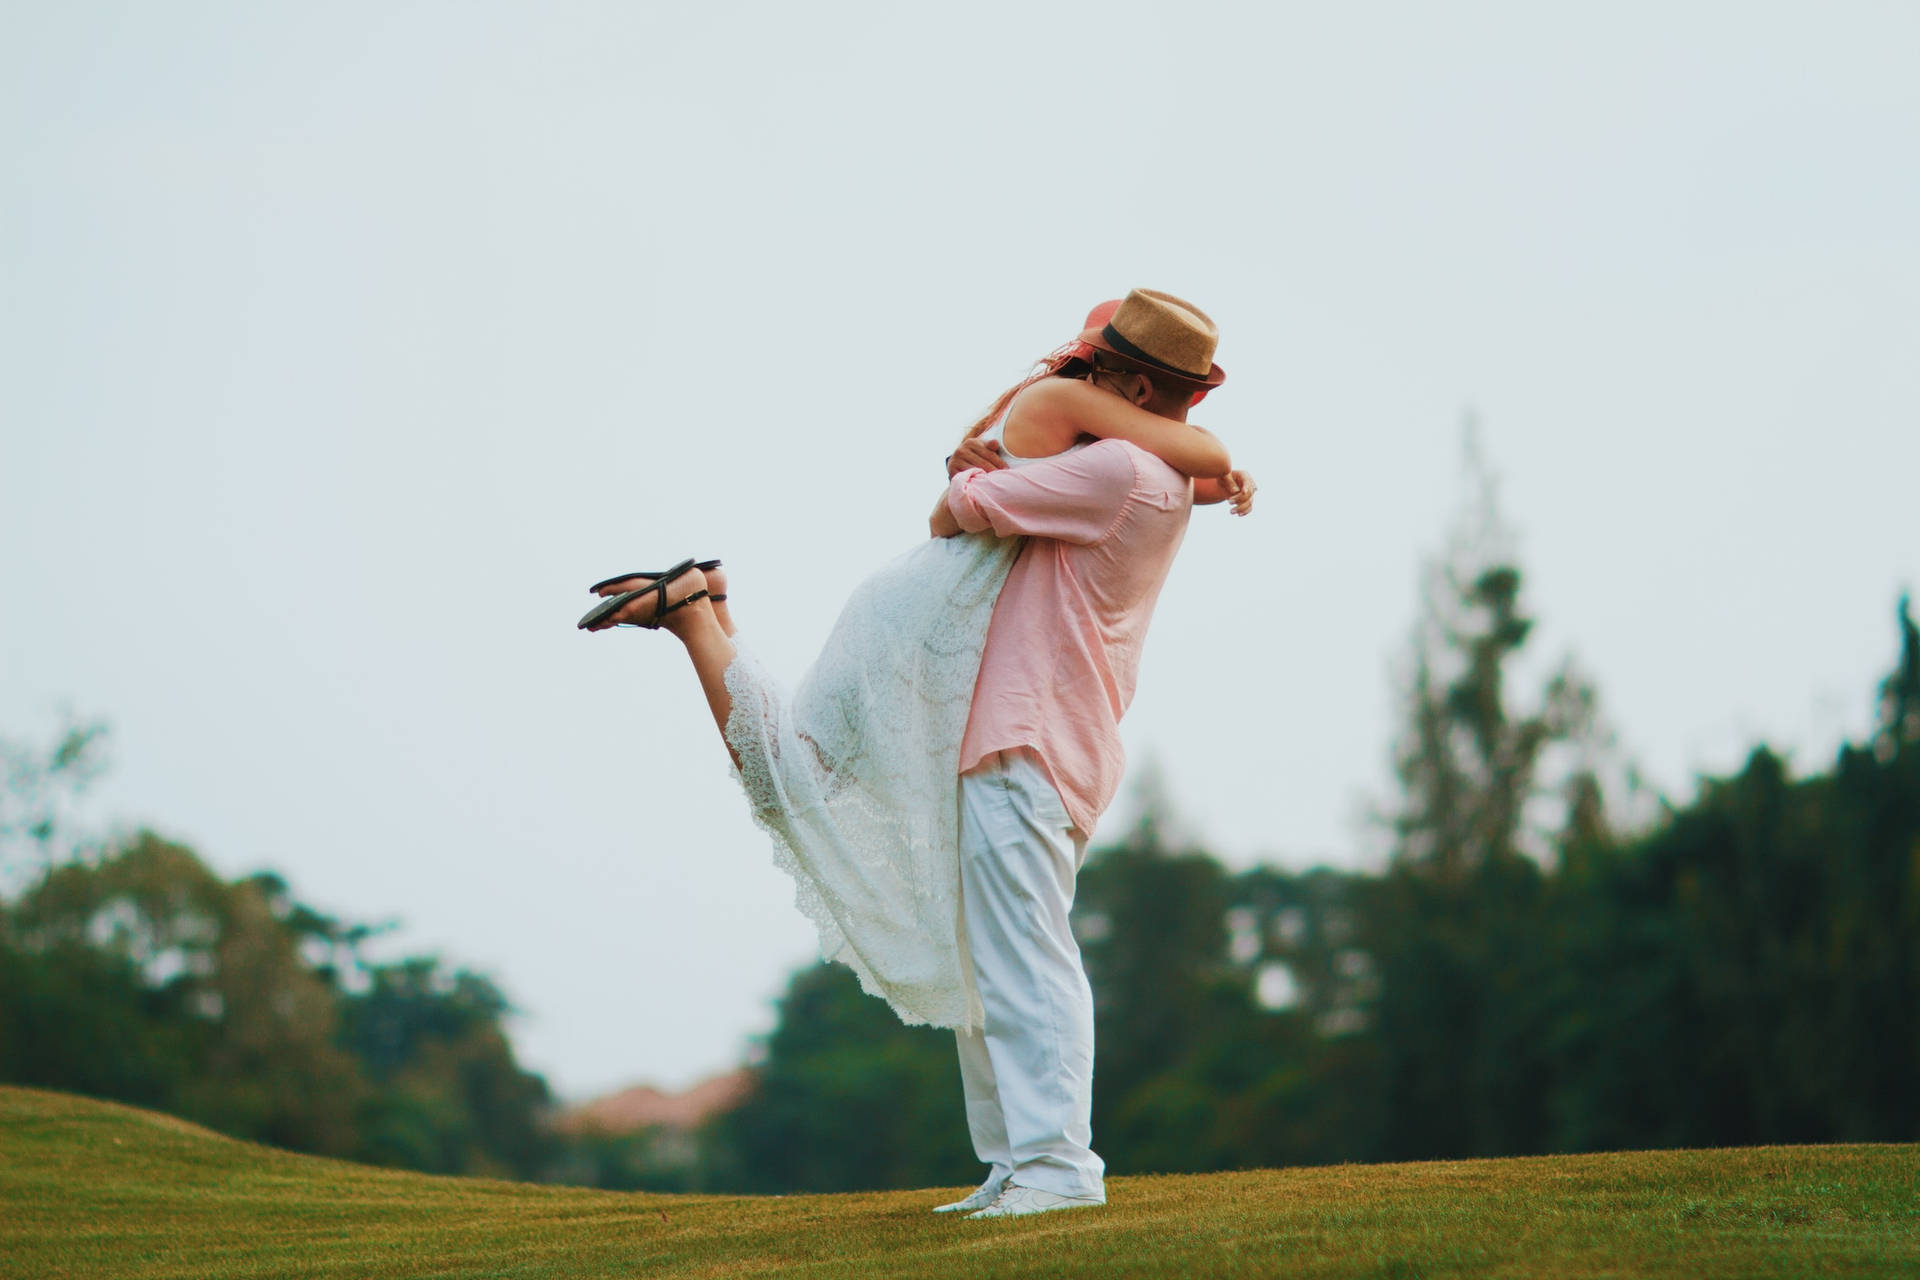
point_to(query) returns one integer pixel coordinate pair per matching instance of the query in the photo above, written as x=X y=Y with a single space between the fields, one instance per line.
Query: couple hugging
x=931 y=782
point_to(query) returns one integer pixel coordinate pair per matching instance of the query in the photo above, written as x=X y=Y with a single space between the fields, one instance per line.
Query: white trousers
x=1028 y=1077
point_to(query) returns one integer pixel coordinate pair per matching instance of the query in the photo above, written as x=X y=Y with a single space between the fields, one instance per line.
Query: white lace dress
x=855 y=777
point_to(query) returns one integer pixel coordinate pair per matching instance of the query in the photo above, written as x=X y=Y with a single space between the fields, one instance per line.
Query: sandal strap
x=681 y=604
x=659 y=588
x=704 y=566
x=660 y=615
x=660 y=609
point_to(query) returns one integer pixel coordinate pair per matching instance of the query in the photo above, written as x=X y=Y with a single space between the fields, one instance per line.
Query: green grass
x=94 y=1189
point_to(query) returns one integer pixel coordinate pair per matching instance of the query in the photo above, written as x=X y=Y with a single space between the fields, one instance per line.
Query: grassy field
x=93 y=1189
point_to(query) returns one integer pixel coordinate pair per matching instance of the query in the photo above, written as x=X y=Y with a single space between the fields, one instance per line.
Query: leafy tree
x=39 y=789
x=1762 y=956
x=846 y=1099
x=80 y=1018
x=1151 y=923
x=446 y=1095
x=259 y=1024
x=1315 y=1098
x=141 y=975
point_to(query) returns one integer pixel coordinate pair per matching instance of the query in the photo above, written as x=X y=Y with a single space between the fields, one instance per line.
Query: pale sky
x=342 y=346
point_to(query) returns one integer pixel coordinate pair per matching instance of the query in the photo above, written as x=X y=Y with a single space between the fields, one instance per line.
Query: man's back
x=1063 y=652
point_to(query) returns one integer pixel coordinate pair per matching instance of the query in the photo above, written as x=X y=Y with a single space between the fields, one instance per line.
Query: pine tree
x=1457 y=926
x=1469 y=762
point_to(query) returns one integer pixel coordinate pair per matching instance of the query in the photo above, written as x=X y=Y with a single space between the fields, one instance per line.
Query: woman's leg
x=712 y=652
x=698 y=626
x=717 y=589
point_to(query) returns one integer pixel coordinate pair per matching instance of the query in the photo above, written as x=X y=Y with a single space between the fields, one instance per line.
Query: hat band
x=1124 y=348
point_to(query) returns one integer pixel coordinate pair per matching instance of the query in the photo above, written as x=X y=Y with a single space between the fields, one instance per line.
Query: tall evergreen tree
x=1873 y=946
x=1456 y=924
x=1468 y=759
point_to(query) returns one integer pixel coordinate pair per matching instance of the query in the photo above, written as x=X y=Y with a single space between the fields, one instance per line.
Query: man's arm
x=1074 y=497
x=973 y=452
x=942 y=523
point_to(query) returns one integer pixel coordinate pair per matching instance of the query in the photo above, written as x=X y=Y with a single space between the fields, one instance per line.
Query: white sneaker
x=1018 y=1201
x=985 y=1194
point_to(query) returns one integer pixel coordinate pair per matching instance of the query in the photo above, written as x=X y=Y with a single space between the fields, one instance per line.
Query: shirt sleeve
x=1075 y=497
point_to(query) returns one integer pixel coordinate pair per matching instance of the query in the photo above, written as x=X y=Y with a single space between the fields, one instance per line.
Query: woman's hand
x=1239 y=486
x=975 y=453
x=1235 y=487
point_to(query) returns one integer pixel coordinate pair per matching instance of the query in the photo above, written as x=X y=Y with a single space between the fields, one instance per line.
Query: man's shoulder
x=1149 y=470
x=1117 y=453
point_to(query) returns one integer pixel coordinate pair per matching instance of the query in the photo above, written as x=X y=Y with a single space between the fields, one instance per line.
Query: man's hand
x=941 y=524
x=975 y=452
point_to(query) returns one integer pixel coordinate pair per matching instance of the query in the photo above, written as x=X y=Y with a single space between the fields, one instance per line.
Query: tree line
x=1534 y=967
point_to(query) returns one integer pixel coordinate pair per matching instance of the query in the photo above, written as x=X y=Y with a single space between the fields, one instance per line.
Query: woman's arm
x=1235 y=487
x=1061 y=409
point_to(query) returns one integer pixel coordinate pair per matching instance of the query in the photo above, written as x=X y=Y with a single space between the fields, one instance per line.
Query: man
x=1042 y=756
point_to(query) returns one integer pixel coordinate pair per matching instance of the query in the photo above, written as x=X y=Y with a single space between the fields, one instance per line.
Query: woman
x=855 y=777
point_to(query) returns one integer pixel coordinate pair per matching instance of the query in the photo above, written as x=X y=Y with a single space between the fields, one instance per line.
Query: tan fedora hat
x=1163 y=333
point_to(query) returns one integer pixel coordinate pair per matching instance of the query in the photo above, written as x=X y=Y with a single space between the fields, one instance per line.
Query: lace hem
x=855 y=777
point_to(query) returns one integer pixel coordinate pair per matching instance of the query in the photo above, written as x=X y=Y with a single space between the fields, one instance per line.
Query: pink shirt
x=1063 y=649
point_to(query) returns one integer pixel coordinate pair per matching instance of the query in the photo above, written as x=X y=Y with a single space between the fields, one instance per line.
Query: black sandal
x=658 y=588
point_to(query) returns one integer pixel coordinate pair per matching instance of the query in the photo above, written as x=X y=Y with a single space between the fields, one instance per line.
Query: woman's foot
x=669 y=608
x=680 y=603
